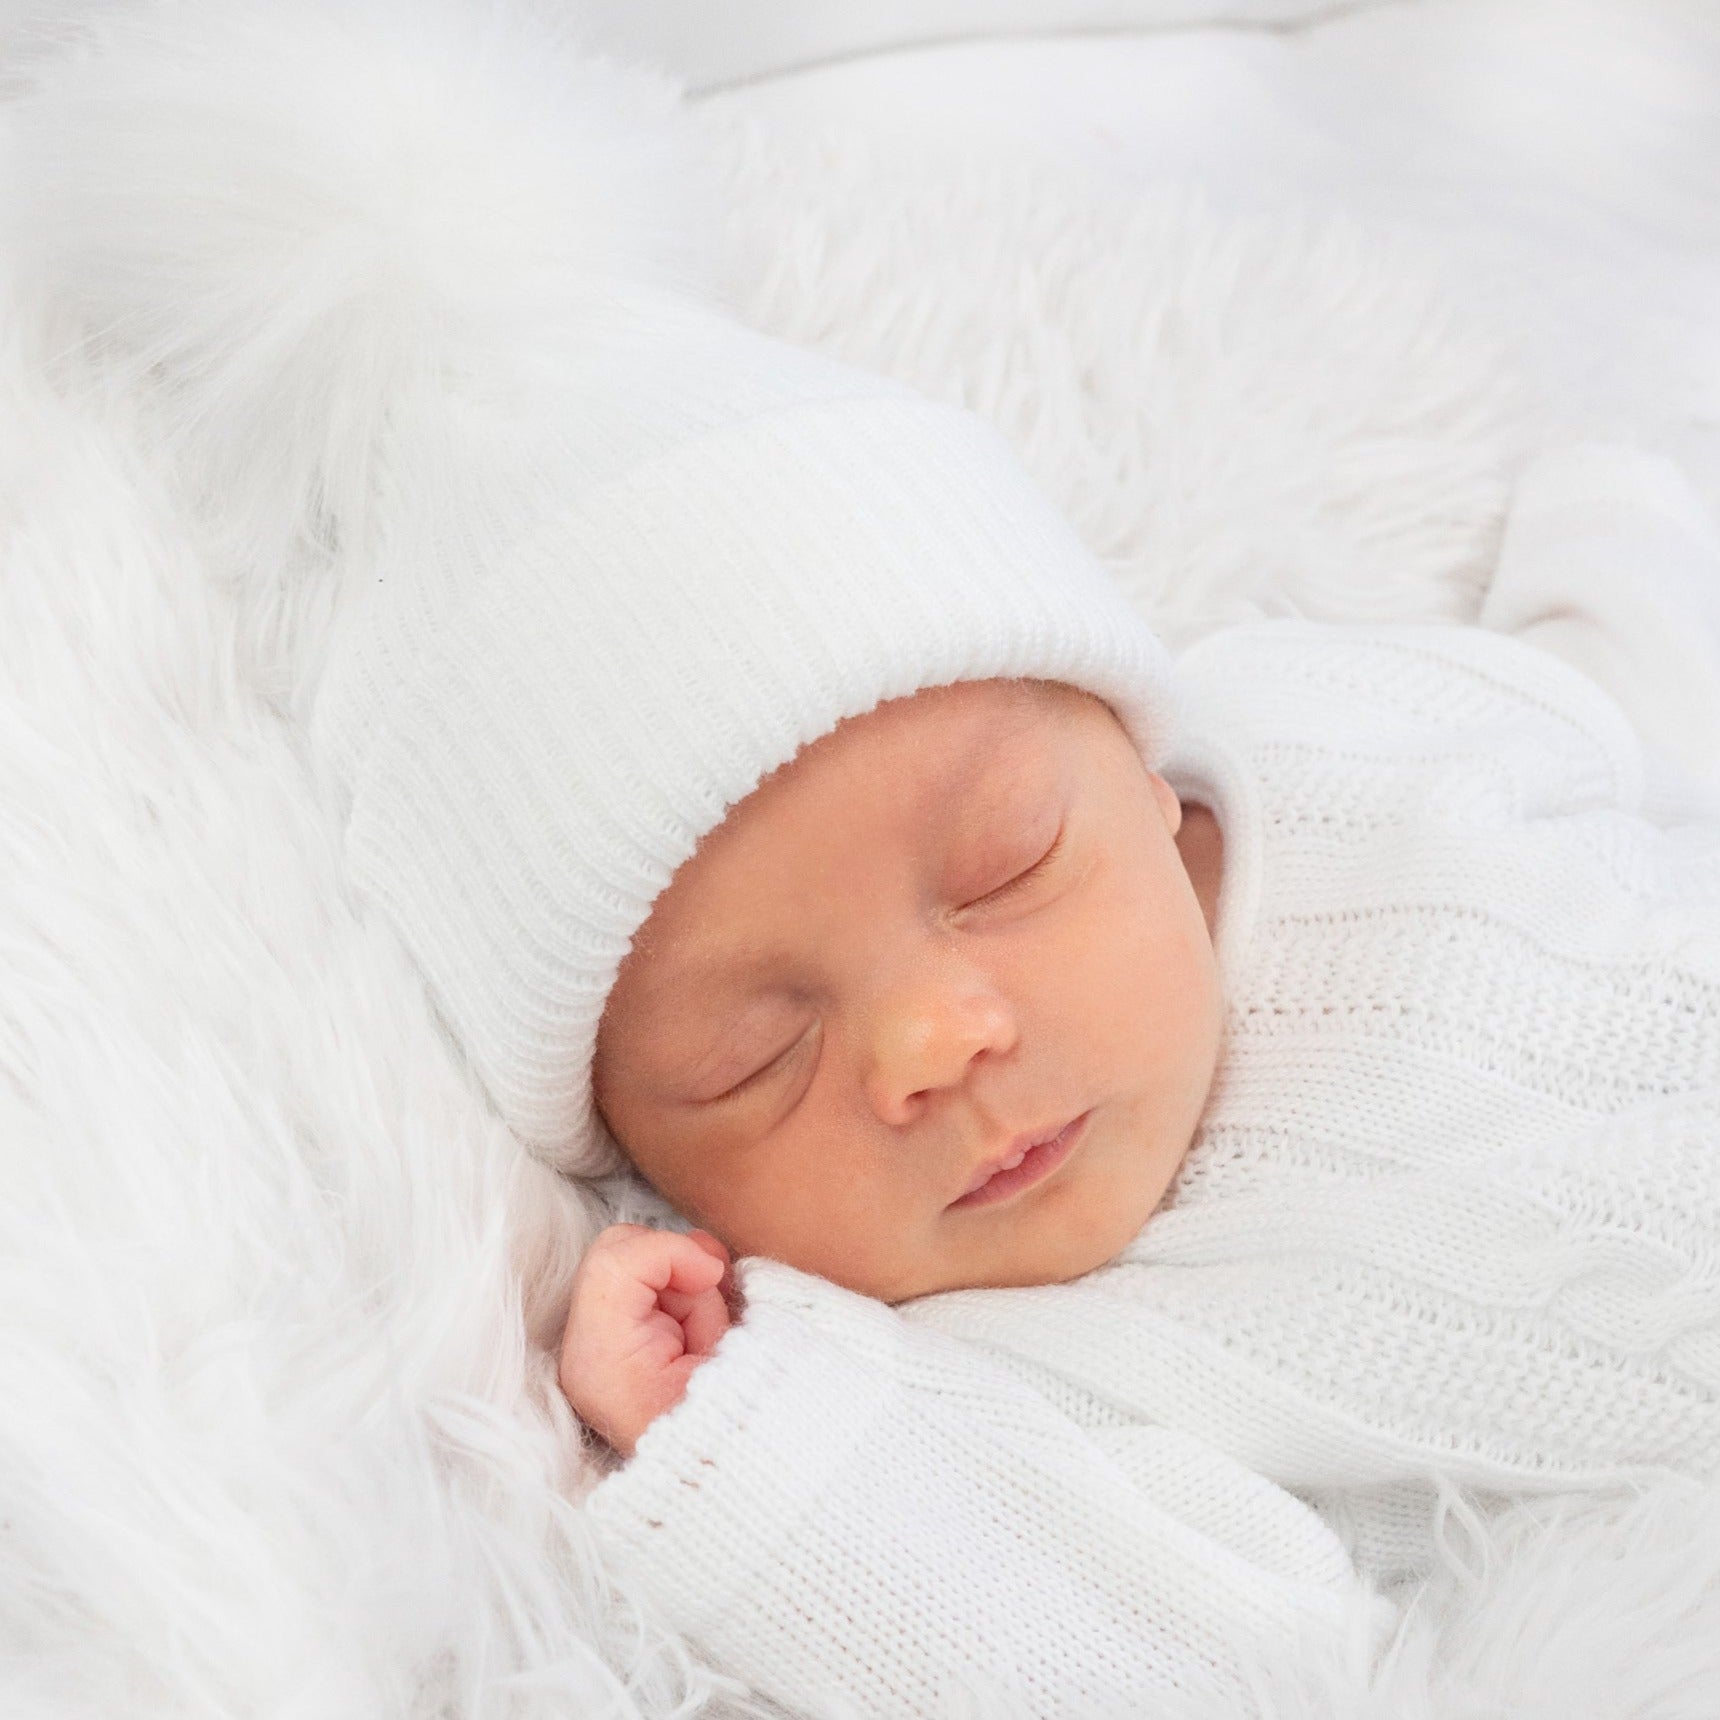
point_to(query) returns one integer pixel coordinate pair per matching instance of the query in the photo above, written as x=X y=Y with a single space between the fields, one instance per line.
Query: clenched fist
x=648 y=1306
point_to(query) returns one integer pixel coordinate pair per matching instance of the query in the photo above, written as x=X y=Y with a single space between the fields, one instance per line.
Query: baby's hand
x=648 y=1306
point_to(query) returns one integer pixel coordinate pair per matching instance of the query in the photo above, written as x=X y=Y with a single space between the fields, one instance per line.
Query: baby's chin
x=1007 y=1259
x=1115 y=1185
x=1001 y=1274
x=1019 y=1250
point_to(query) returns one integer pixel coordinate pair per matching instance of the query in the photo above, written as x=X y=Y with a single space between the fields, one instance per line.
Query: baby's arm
x=845 y=1507
x=1611 y=561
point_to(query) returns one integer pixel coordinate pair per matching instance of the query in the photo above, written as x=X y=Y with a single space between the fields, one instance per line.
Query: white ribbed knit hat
x=609 y=557
x=537 y=740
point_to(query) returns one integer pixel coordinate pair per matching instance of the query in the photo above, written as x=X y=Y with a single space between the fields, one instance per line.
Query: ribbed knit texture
x=1453 y=1207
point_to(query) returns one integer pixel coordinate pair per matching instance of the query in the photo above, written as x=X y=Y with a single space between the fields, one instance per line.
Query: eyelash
x=1022 y=879
x=759 y=1073
x=1019 y=881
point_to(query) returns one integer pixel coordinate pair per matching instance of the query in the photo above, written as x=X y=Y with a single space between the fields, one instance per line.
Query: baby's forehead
x=925 y=772
x=966 y=726
x=943 y=735
x=921 y=759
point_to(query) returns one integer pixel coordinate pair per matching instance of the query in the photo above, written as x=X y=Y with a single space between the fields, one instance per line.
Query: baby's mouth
x=1028 y=1162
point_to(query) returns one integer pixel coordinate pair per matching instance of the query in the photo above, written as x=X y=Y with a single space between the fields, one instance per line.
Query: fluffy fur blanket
x=278 y=1296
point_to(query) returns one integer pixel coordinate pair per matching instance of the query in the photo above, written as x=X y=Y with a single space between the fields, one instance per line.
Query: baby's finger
x=726 y=1284
x=705 y=1321
x=644 y=1266
x=711 y=1244
x=680 y=1303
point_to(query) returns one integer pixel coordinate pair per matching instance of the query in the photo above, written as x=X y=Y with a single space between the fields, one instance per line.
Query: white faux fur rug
x=1243 y=415
x=278 y=1433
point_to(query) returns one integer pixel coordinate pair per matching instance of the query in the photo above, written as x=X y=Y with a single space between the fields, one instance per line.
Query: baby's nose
x=927 y=1033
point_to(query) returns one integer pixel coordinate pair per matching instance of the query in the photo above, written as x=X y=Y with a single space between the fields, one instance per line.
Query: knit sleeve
x=857 y=1515
x=1611 y=562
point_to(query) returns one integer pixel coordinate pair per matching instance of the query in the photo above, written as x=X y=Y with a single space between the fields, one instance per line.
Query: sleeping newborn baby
x=936 y=1006
x=1340 y=1101
x=1121 y=1133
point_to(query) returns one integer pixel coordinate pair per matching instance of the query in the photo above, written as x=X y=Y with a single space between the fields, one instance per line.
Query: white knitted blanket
x=278 y=1432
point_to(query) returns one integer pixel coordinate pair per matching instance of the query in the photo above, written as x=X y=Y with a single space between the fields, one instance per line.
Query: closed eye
x=1022 y=879
x=758 y=1074
x=1019 y=882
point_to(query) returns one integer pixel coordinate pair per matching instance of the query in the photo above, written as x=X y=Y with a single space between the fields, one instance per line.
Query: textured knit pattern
x=1453 y=1208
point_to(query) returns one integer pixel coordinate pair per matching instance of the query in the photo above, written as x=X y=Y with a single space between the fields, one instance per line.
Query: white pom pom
x=288 y=217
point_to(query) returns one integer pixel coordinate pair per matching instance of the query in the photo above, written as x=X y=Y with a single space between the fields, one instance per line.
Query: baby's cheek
x=1115 y=995
x=854 y=1211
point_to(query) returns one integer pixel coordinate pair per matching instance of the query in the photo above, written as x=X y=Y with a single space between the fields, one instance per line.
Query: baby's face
x=875 y=974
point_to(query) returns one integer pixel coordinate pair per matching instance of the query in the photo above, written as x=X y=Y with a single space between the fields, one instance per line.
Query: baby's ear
x=1170 y=808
